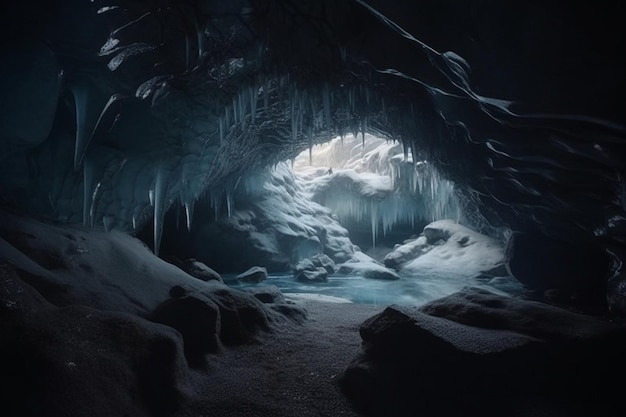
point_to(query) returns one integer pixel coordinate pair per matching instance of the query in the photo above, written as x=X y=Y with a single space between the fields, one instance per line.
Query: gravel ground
x=292 y=372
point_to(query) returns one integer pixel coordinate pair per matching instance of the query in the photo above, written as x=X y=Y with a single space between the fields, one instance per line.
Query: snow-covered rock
x=273 y=223
x=255 y=274
x=317 y=274
x=449 y=249
x=199 y=270
x=361 y=264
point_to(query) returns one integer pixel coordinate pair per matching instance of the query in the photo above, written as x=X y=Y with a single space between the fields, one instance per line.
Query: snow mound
x=448 y=249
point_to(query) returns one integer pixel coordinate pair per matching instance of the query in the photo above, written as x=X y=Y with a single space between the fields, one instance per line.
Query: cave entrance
x=377 y=189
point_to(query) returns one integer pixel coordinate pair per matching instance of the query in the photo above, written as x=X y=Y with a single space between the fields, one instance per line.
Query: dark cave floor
x=293 y=372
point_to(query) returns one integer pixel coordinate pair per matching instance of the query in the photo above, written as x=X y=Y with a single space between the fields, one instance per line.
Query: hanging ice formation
x=380 y=185
x=160 y=196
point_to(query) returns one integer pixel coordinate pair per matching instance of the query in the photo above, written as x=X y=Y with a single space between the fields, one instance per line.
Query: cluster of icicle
x=418 y=194
x=266 y=121
x=246 y=120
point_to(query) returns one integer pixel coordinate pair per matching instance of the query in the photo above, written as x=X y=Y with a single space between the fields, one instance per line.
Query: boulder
x=255 y=275
x=579 y=270
x=409 y=250
x=293 y=312
x=305 y=264
x=197 y=319
x=243 y=316
x=436 y=232
x=318 y=274
x=324 y=261
x=267 y=294
x=362 y=264
x=532 y=357
x=78 y=361
x=199 y=270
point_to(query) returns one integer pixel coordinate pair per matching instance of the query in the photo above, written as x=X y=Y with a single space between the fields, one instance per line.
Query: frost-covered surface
x=362 y=264
x=371 y=181
x=449 y=250
x=278 y=226
x=105 y=270
x=279 y=220
x=360 y=153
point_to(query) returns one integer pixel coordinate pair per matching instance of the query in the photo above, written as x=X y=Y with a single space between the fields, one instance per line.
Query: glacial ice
x=375 y=181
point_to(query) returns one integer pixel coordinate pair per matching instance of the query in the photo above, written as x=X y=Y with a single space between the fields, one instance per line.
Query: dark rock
x=617 y=294
x=197 y=319
x=305 y=264
x=255 y=274
x=177 y=291
x=373 y=271
x=318 y=275
x=435 y=234
x=382 y=274
x=438 y=359
x=578 y=269
x=243 y=316
x=324 y=261
x=499 y=270
x=199 y=270
x=17 y=297
x=291 y=311
x=52 y=361
x=268 y=294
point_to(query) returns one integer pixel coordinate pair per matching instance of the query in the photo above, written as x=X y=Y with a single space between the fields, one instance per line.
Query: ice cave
x=277 y=208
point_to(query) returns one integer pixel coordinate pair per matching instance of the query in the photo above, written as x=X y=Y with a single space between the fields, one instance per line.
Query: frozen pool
x=414 y=290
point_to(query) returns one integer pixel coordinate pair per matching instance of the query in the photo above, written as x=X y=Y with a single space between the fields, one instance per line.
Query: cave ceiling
x=113 y=111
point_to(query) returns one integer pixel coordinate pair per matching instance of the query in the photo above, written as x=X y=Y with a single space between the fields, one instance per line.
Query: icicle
x=310 y=137
x=187 y=52
x=216 y=202
x=221 y=131
x=253 y=97
x=301 y=113
x=364 y=128
x=326 y=101
x=151 y=196
x=160 y=195
x=384 y=111
x=242 y=109
x=266 y=95
x=374 y=219
x=94 y=203
x=108 y=222
x=351 y=100
x=81 y=102
x=189 y=207
x=200 y=40
x=229 y=202
x=294 y=118
x=88 y=190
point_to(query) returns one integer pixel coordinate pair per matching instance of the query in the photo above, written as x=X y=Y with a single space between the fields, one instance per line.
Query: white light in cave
x=376 y=179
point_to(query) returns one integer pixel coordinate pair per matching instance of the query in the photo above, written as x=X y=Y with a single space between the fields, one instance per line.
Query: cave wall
x=112 y=112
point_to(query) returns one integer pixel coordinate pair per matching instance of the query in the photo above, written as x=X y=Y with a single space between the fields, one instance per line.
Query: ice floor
x=414 y=290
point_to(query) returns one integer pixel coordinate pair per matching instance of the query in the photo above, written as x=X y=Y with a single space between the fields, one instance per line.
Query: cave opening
x=377 y=188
